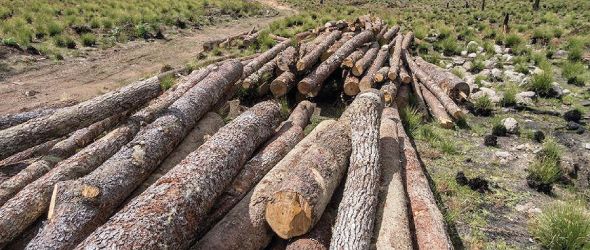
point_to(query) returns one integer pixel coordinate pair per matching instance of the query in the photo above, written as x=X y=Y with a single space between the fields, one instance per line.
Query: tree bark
x=314 y=55
x=368 y=81
x=282 y=84
x=265 y=57
x=245 y=222
x=419 y=97
x=436 y=108
x=364 y=63
x=319 y=237
x=345 y=37
x=29 y=153
x=381 y=74
x=505 y=23
x=402 y=99
x=536 y=5
x=351 y=84
x=74 y=218
x=404 y=76
x=395 y=57
x=390 y=34
x=9 y=120
x=408 y=40
x=262 y=75
x=350 y=60
x=389 y=91
x=312 y=84
x=453 y=86
x=357 y=210
x=392 y=230
x=287 y=60
x=307 y=47
x=483 y=5
x=66 y=120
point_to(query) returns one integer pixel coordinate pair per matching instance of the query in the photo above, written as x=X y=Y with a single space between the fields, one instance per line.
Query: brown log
x=392 y=229
x=262 y=75
x=357 y=211
x=313 y=56
x=364 y=63
x=368 y=81
x=404 y=76
x=66 y=120
x=389 y=91
x=223 y=42
x=32 y=201
x=245 y=222
x=319 y=237
x=350 y=60
x=351 y=84
x=277 y=38
x=73 y=219
x=444 y=99
x=382 y=32
x=311 y=84
x=307 y=47
x=282 y=84
x=381 y=74
x=265 y=57
x=403 y=96
x=189 y=189
x=10 y=120
x=395 y=57
x=430 y=230
x=408 y=40
x=386 y=39
x=302 y=114
x=436 y=108
x=417 y=91
x=287 y=60
x=453 y=86
x=31 y=152
x=330 y=51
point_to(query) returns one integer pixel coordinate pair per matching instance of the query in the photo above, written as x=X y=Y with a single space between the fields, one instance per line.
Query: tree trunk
x=282 y=84
x=505 y=24
x=351 y=84
x=368 y=81
x=453 y=86
x=345 y=37
x=364 y=63
x=483 y=5
x=379 y=36
x=314 y=55
x=29 y=153
x=436 y=109
x=319 y=237
x=536 y=5
x=408 y=40
x=390 y=34
x=402 y=99
x=312 y=84
x=419 y=97
x=395 y=57
x=262 y=75
x=381 y=74
x=245 y=222
x=429 y=228
x=350 y=60
x=357 y=210
x=301 y=114
x=66 y=120
x=9 y=120
x=307 y=47
x=392 y=230
x=287 y=60
x=265 y=57
x=74 y=219
x=389 y=91
x=445 y=100
x=404 y=76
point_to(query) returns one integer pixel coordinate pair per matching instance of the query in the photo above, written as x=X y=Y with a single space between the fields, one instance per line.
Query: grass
x=483 y=105
x=575 y=73
x=546 y=167
x=509 y=98
x=542 y=83
x=167 y=82
x=563 y=225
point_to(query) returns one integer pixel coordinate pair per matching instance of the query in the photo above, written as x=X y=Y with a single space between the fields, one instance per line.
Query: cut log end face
x=289 y=215
x=90 y=192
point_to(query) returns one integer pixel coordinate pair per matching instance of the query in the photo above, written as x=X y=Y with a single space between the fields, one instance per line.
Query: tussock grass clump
x=167 y=82
x=509 y=98
x=512 y=40
x=483 y=106
x=546 y=169
x=563 y=225
x=542 y=83
x=575 y=73
x=88 y=39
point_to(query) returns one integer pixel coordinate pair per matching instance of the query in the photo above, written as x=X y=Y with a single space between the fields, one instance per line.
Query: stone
x=507 y=50
x=498 y=49
x=503 y=154
x=490 y=140
x=457 y=61
x=537 y=71
x=31 y=93
x=560 y=54
x=490 y=93
x=464 y=53
x=479 y=49
x=566 y=91
x=557 y=90
x=587 y=146
x=497 y=74
x=472 y=43
x=490 y=63
x=467 y=65
x=472 y=55
x=487 y=73
x=511 y=125
x=513 y=76
x=571 y=125
x=507 y=58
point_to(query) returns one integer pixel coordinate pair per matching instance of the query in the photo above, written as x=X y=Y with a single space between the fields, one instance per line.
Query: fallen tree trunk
x=408 y=40
x=319 y=237
x=313 y=56
x=307 y=47
x=265 y=73
x=436 y=108
x=66 y=120
x=351 y=84
x=386 y=39
x=403 y=96
x=417 y=90
x=368 y=81
x=350 y=60
x=345 y=37
x=32 y=152
x=264 y=58
x=223 y=42
x=395 y=57
x=189 y=189
x=73 y=219
x=245 y=222
x=359 y=201
x=365 y=62
x=404 y=76
x=10 y=120
x=389 y=91
x=281 y=85
x=287 y=60
x=453 y=86
x=312 y=84
x=381 y=74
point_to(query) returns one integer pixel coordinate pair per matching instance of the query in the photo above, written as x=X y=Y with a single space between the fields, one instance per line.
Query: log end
x=392 y=75
x=357 y=70
x=406 y=79
x=288 y=214
x=278 y=89
x=379 y=77
x=90 y=192
x=446 y=123
x=305 y=87
x=300 y=66
x=347 y=63
x=459 y=114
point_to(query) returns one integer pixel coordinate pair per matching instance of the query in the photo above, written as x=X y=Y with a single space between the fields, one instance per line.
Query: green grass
x=167 y=82
x=563 y=225
x=541 y=83
x=546 y=167
x=509 y=98
x=88 y=40
x=575 y=73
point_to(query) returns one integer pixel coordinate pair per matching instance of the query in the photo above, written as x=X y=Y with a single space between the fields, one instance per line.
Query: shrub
x=563 y=225
x=167 y=82
x=545 y=170
x=542 y=83
x=509 y=98
x=54 y=28
x=521 y=68
x=472 y=48
x=10 y=42
x=88 y=39
x=70 y=43
x=59 y=41
x=512 y=40
x=483 y=106
x=574 y=73
x=449 y=46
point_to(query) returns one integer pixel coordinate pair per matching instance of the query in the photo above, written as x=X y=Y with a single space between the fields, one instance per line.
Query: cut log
x=404 y=76
x=429 y=227
x=350 y=60
x=453 y=86
x=66 y=120
x=365 y=62
x=302 y=114
x=10 y=120
x=356 y=212
x=307 y=47
x=436 y=109
x=189 y=189
x=32 y=201
x=73 y=219
x=395 y=57
x=345 y=37
x=417 y=91
x=381 y=74
x=319 y=237
x=368 y=81
x=351 y=84
x=408 y=40
x=389 y=91
x=403 y=96
x=379 y=36
x=386 y=39
x=392 y=230
x=57 y=153
x=32 y=152
x=245 y=222
x=223 y=42
x=444 y=99
x=313 y=56
x=312 y=84
x=282 y=84
x=264 y=74
x=265 y=57
x=287 y=60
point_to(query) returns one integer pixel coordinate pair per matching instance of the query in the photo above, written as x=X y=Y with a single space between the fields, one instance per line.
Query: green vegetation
x=167 y=82
x=509 y=98
x=546 y=168
x=575 y=73
x=542 y=83
x=563 y=225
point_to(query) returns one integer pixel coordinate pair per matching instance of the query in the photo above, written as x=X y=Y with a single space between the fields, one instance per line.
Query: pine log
x=10 y=120
x=429 y=227
x=350 y=60
x=417 y=91
x=404 y=76
x=287 y=60
x=319 y=237
x=381 y=74
x=436 y=109
x=264 y=74
x=379 y=36
x=368 y=81
x=245 y=222
x=386 y=39
x=57 y=153
x=282 y=84
x=29 y=153
x=301 y=114
x=357 y=211
x=345 y=37
x=392 y=230
x=32 y=201
x=307 y=47
x=351 y=84
x=189 y=189
x=453 y=86
x=408 y=40
x=444 y=99
x=314 y=55
x=389 y=91
x=311 y=84
x=403 y=96
x=364 y=63
x=395 y=57
x=73 y=219
x=265 y=57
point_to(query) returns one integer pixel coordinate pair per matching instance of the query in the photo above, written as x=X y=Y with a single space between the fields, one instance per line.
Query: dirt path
x=101 y=71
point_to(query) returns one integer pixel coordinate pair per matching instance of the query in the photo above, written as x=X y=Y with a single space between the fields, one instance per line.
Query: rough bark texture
x=188 y=191
x=350 y=60
x=403 y=96
x=444 y=99
x=392 y=230
x=408 y=40
x=287 y=60
x=351 y=84
x=368 y=81
x=357 y=210
x=74 y=218
x=386 y=39
x=419 y=97
x=436 y=109
x=345 y=37
x=319 y=237
x=264 y=74
x=301 y=114
x=32 y=152
x=66 y=120
x=245 y=222
x=313 y=56
x=389 y=91
x=364 y=63
x=453 y=86
x=10 y=120
x=281 y=85
x=381 y=74
x=395 y=57
x=307 y=47
x=312 y=84
x=265 y=57
x=404 y=76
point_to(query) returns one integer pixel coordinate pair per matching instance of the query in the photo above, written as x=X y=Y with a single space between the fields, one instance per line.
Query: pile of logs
x=101 y=173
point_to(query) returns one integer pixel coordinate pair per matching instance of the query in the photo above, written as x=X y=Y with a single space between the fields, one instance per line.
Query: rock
x=31 y=93
x=472 y=55
x=497 y=75
x=467 y=65
x=538 y=136
x=507 y=50
x=525 y=98
x=560 y=54
x=472 y=43
x=511 y=125
x=490 y=140
x=513 y=76
x=457 y=61
x=490 y=93
x=490 y=63
x=573 y=115
x=537 y=71
x=566 y=91
x=571 y=125
x=556 y=90
x=498 y=49
x=480 y=49
x=487 y=73
x=478 y=184
x=464 y=53
x=507 y=58
x=587 y=146
x=431 y=39
x=503 y=154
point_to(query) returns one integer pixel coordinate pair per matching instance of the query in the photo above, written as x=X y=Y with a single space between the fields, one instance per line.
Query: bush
x=546 y=169
x=509 y=98
x=483 y=106
x=10 y=42
x=542 y=83
x=59 y=41
x=54 y=28
x=167 y=82
x=521 y=68
x=88 y=39
x=449 y=46
x=574 y=73
x=563 y=226
x=477 y=66
x=512 y=40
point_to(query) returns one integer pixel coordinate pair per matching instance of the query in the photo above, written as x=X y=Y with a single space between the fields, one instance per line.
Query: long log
x=245 y=222
x=189 y=189
x=319 y=237
x=312 y=84
x=395 y=57
x=31 y=202
x=357 y=211
x=10 y=120
x=73 y=220
x=453 y=86
x=314 y=55
x=417 y=91
x=264 y=74
x=436 y=109
x=351 y=84
x=402 y=99
x=381 y=74
x=330 y=51
x=408 y=40
x=404 y=76
x=389 y=91
x=365 y=62
x=265 y=57
x=350 y=60
x=386 y=39
x=368 y=81
x=282 y=84
x=31 y=152
x=287 y=60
